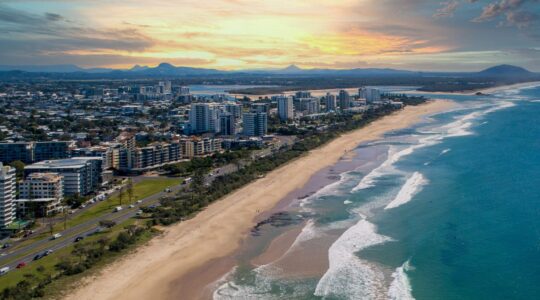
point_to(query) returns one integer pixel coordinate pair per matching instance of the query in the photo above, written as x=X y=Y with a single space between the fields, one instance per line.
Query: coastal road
x=27 y=253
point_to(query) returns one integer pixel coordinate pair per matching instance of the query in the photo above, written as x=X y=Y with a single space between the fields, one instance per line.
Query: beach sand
x=154 y=270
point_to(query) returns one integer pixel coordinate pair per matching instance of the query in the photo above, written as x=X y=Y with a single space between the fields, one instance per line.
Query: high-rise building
x=7 y=195
x=82 y=175
x=255 y=124
x=302 y=94
x=40 y=194
x=260 y=107
x=204 y=117
x=330 y=102
x=344 y=100
x=227 y=124
x=308 y=105
x=370 y=94
x=234 y=109
x=285 y=108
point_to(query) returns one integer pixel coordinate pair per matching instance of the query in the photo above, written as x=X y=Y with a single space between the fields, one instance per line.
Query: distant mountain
x=506 y=71
x=168 y=70
x=67 y=68
x=136 y=68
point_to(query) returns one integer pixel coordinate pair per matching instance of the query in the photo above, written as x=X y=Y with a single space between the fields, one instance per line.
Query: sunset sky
x=250 y=34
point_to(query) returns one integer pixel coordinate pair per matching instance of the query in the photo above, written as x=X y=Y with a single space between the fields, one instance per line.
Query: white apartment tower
x=285 y=107
x=8 y=180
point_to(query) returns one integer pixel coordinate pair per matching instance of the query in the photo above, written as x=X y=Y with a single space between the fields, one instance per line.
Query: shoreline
x=485 y=91
x=154 y=270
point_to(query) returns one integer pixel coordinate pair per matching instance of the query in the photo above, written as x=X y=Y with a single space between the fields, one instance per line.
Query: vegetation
x=98 y=249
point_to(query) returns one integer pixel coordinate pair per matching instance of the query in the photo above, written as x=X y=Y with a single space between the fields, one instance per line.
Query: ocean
x=447 y=209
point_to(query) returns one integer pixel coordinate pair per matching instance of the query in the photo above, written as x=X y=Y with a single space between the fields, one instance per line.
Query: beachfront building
x=195 y=146
x=344 y=100
x=81 y=175
x=227 y=124
x=285 y=108
x=40 y=194
x=255 y=124
x=370 y=94
x=8 y=179
x=330 y=102
x=204 y=117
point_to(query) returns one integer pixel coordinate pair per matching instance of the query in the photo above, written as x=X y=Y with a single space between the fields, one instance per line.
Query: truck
x=4 y=270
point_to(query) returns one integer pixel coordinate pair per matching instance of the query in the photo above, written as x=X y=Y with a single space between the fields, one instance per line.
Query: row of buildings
x=45 y=184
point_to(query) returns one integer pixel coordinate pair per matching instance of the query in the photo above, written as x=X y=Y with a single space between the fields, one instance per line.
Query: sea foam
x=400 y=288
x=412 y=186
x=348 y=276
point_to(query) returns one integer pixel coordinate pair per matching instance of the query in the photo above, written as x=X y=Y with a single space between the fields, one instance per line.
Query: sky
x=448 y=35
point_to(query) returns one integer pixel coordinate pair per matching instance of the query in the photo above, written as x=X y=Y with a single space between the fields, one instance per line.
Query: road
x=27 y=253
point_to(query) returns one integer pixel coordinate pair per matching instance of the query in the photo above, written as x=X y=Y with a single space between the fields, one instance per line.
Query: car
x=78 y=239
x=4 y=270
x=117 y=209
x=139 y=212
x=56 y=236
x=6 y=245
x=38 y=256
x=139 y=201
x=47 y=252
x=22 y=264
x=131 y=206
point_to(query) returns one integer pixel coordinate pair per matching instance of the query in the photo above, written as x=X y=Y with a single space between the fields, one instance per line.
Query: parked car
x=139 y=201
x=47 y=252
x=22 y=264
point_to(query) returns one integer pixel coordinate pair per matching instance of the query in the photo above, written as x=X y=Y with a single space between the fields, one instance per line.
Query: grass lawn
x=46 y=266
x=141 y=190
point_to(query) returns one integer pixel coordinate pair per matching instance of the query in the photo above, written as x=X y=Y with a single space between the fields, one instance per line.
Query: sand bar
x=152 y=271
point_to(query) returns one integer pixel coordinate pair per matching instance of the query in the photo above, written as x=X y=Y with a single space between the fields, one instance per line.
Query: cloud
x=521 y=19
x=503 y=7
x=53 y=17
x=448 y=9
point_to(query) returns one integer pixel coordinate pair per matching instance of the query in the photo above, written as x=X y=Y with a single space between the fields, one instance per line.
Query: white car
x=131 y=206
x=139 y=201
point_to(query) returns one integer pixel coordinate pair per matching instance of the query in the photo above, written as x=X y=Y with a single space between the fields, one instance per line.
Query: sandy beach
x=152 y=272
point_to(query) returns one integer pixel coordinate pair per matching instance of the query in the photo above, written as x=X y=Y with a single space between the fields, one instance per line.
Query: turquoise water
x=449 y=209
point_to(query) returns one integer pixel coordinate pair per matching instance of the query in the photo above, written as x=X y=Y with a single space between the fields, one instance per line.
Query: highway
x=27 y=253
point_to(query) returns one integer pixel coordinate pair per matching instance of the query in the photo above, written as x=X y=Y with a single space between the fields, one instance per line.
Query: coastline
x=485 y=91
x=154 y=269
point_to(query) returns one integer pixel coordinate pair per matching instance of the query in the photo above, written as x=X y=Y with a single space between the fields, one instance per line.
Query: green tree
x=19 y=167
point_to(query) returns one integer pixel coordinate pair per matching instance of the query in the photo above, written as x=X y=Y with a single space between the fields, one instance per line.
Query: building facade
x=8 y=179
x=255 y=124
x=285 y=108
x=81 y=175
x=40 y=194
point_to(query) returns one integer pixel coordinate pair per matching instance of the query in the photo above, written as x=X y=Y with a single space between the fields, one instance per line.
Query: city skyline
x=453 y=35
